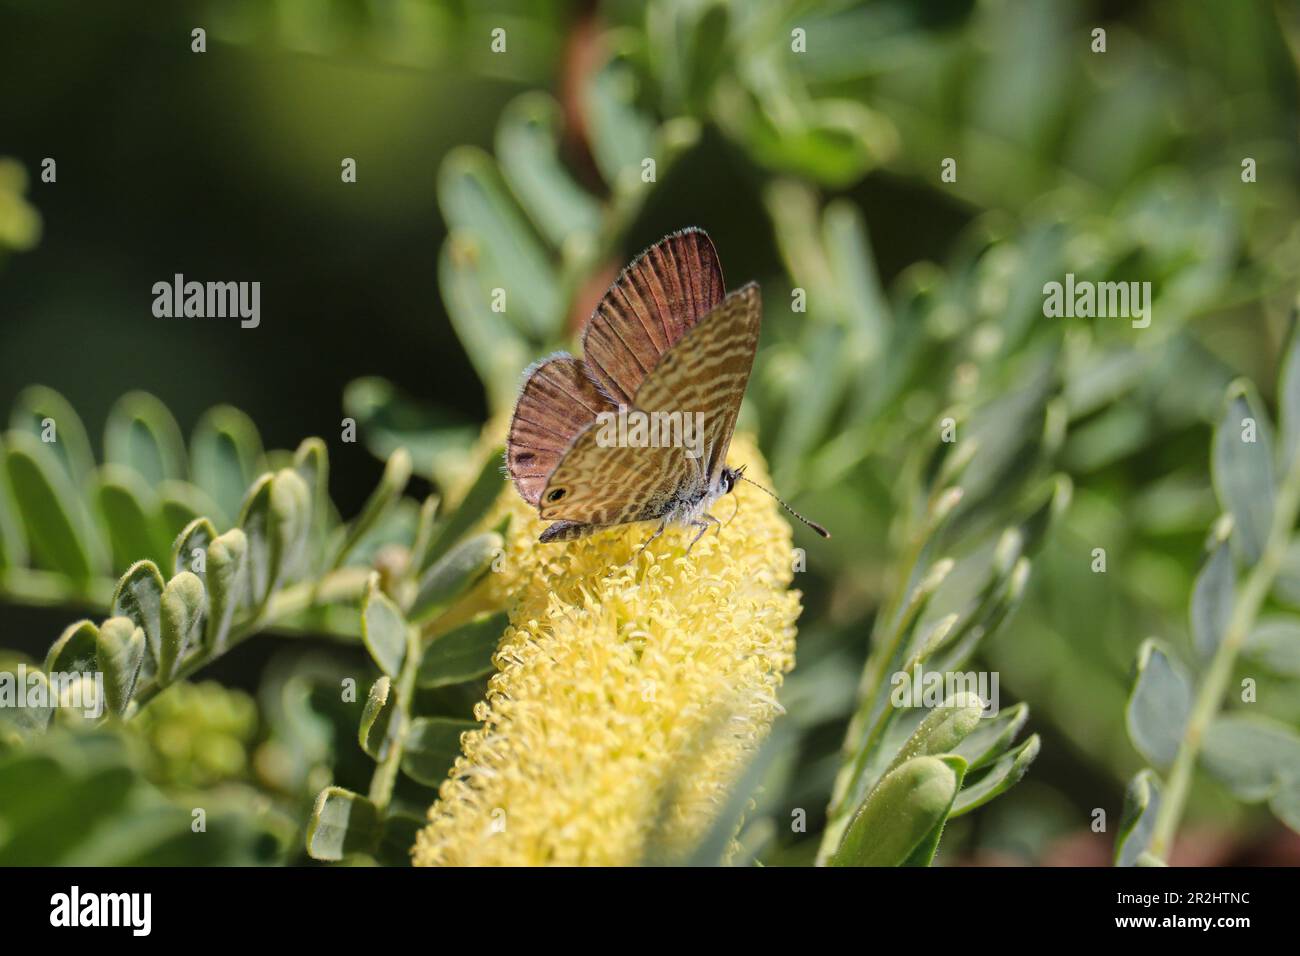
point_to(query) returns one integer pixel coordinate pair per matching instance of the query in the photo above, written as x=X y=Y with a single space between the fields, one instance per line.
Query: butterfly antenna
x=812 y=524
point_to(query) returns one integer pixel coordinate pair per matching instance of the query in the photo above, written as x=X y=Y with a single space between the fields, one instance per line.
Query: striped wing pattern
x=706 y=371
x=653 y=303
x=558 y=401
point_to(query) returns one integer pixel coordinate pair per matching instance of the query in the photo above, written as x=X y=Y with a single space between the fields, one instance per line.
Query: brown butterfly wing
x=721 y=359
x=706 y=371
x=653 y=303
x=608 y=485
x=557 y=402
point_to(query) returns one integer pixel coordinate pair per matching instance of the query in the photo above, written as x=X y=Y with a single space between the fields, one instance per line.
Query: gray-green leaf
x=455 y=573
x=471 y=508
x=1138 y=821
x=992 y=737
x=377 y=718
x=1159 y=704
x=42 y=413
x=462 y=654
x=1242 y=467
x=142 y=434
x=1275 y=643
x=388 y=419
x=1252 y=756
x=189 y=552
x=119 y=653
x=139 y=597
x=999 y=778
x=225 y=453
x=342 y=822
x=1288 y=397
x=75 y=652
x=397 y=472
x=226 y=581
x=132 y=514
x=183 y=603
x=276 y=518
x=1212 y=598
x=53 y=514
x=475 y=201
x=528 y=150
x=431 y=746
x=383 y=629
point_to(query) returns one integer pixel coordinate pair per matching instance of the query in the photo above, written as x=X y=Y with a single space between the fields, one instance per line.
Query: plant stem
x=1209 y=697
x=418 y=638
x=860 y=736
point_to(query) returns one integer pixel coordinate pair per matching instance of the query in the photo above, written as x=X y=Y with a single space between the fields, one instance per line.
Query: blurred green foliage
x=809 y=138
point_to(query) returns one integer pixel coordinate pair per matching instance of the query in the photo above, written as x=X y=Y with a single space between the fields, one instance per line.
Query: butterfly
x=664 y=341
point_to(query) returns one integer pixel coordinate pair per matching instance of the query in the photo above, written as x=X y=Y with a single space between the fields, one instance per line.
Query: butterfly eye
x=556 y=495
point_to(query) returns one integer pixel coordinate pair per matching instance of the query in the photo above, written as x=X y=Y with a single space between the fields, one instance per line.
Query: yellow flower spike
x=628 y=697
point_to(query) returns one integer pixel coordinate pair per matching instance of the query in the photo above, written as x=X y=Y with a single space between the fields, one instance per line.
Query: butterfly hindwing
x=557 y=402
x=653 y=303
x=706 y=371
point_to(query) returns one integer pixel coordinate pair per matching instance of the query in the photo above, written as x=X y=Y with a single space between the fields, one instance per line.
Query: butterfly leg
x=703 y=523
x=637 y=554
x=735 y=511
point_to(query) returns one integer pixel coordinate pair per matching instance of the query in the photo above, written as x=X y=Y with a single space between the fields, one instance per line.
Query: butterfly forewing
x=705 y=372
x=653 y=303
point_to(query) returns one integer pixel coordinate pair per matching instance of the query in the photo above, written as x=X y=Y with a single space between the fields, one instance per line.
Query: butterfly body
x=664 y=346
x=687 y=506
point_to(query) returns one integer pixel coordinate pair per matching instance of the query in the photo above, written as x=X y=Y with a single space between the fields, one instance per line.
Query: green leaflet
x=227 y=583
x=1242 y=466
x=119 y=652
x=139 y=597
x=181 y=616
x=342 y=823
x=1255 y=757
x=377 y=718
x=276 y=520
x=383 y=629
x=142 y=434
x=1275 y=643
x=225 y=455
x=131 y=511
x=527 y=147
x=509 y=257
x=462 y=654
x=75 y=650
x=1213 y=595
x=900 y=821
x=388 y=420
x=397 y=472
x=1159 y=704
x=55 y=518
x=998 y=778
x=481 y=495
x=455 y=573
x=1141 y=804
x=190 y=550
x=48 y=417
x=431 y=745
